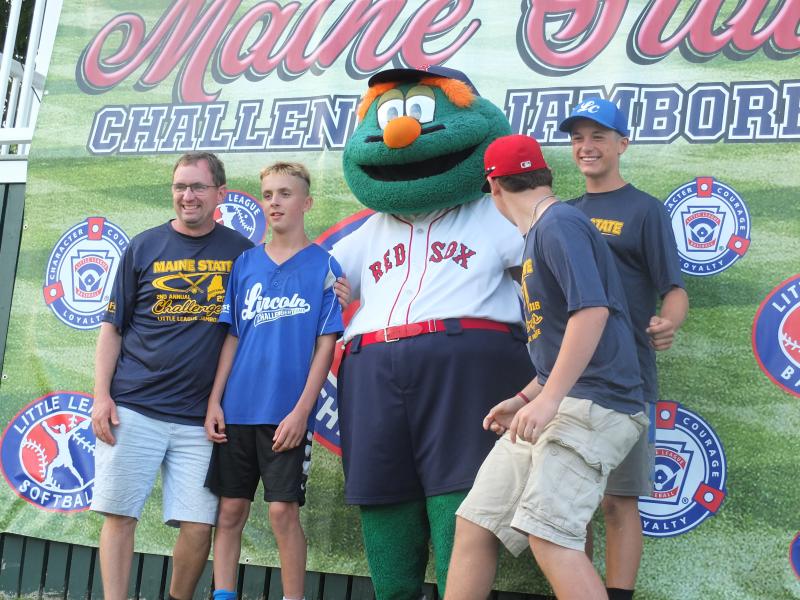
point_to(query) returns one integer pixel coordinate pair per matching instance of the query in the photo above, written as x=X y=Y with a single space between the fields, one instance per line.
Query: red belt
x=398 y=332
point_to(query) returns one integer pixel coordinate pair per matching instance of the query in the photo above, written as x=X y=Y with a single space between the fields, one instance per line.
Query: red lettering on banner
x=578 y=39
x=558 y=37
x=190 y=35
x=740 y=34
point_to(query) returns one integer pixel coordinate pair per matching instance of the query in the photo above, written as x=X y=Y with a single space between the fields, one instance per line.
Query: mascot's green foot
x=442 y=519
x=396 y=540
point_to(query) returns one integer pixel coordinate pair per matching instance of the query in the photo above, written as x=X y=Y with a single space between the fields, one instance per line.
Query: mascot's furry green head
x=420 y=141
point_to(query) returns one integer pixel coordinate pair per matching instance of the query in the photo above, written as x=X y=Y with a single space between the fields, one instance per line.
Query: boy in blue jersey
x=577 y=419
x=284 y=320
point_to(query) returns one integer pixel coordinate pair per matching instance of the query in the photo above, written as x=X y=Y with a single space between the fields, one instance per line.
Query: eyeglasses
x=197 y=188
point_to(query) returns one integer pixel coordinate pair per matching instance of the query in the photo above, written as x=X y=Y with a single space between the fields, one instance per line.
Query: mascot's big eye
x=388 y=110
x=420 y=103
x=421 y=108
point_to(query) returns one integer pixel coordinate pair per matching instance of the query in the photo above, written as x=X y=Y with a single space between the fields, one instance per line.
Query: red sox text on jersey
x=396 y=257
x=446 y=264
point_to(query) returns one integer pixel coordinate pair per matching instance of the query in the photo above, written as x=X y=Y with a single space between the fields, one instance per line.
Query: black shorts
x=411 y=411
x=247 y=456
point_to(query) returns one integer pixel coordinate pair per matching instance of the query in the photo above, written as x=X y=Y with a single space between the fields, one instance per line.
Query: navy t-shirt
x=277 y=311
x=567 y=266
x=638 y=230
x=166 y=301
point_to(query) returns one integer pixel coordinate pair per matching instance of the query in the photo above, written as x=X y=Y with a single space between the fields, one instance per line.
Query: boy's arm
x=291 y=431
x=581 y=336
x=500 y=416
x=104 y=409
x=215 y=418
x=674 y=307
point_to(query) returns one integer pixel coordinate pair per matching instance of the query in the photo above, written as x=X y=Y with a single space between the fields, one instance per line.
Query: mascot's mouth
x=417 y=170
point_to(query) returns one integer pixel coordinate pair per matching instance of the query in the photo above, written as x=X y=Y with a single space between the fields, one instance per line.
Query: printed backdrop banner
x=712 y=90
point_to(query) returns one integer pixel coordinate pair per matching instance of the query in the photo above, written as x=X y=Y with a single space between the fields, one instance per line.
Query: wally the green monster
x=437 y=339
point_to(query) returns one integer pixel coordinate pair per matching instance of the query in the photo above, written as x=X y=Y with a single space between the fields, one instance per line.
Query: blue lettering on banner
x=706 y=113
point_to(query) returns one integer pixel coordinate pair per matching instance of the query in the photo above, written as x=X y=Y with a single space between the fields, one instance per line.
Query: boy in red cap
x=578 y=418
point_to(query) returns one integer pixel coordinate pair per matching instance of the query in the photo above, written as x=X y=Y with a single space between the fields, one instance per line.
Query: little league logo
x=47 y=452
x=244 y=214
x=81 y=270
x=794 y=555
x=711 y=225
x=690 y=473
x=776 y=336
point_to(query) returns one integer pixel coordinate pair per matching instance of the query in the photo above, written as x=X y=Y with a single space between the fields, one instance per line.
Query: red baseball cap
x=510 y=155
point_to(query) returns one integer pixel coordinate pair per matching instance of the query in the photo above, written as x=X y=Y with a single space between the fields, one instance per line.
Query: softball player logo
x=711 y=224
x=242 y=213
x=81 y=271
x=48 y=452
x=690 y=473
x=776 y=336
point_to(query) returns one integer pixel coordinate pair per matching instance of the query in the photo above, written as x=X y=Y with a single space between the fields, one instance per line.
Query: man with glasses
x=154 y=366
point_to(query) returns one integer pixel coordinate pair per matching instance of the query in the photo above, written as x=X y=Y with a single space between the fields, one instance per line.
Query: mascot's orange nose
x=401 y=132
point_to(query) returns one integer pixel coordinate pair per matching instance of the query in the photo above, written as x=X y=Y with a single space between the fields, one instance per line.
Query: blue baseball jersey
x=639 y=232
x=277 y=311
x=567 y=266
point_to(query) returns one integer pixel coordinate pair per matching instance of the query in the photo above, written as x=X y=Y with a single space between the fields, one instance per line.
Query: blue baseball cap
x=404 y=75
x=600 y=111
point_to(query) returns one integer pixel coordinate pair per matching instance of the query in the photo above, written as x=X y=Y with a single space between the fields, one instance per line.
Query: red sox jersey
x=450 y=263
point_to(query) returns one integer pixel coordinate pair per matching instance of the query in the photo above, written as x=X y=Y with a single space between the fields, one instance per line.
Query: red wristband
x=524 y=397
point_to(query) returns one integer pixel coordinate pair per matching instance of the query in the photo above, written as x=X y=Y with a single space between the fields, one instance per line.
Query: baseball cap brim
x=566 y=124
x=407 y=75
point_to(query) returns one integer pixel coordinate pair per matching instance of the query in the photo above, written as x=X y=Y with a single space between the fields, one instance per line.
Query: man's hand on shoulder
x=104 y=416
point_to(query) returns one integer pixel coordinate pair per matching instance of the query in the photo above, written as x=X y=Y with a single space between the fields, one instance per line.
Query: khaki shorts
x=551 y=489
x=634 y=475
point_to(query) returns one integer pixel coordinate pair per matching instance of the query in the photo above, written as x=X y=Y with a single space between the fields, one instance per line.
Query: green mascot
x=436 y=340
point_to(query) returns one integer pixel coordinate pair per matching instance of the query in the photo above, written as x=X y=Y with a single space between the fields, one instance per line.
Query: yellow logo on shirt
x=532 y=319
x=608 y=226
x=193 y=289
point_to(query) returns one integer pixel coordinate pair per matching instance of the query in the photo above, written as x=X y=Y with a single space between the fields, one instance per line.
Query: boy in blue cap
x=638 y=230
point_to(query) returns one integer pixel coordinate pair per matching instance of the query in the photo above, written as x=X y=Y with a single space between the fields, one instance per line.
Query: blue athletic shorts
x=411 y=411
